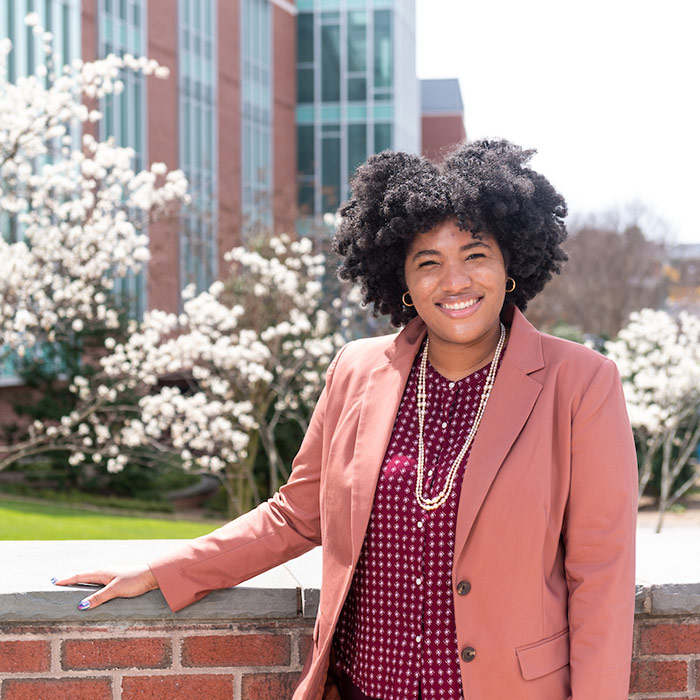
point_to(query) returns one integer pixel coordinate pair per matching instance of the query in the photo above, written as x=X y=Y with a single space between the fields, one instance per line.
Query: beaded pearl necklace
x=429 y=504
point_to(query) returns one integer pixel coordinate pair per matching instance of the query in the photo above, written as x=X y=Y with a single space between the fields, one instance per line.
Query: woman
x=472 y=481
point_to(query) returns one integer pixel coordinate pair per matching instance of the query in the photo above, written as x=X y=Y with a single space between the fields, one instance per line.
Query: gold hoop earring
x=403 y=299
x=512 y=288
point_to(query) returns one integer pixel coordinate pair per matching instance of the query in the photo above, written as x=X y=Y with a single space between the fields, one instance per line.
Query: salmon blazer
x=545 y=528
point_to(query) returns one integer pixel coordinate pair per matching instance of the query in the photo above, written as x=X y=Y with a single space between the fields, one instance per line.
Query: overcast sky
x=608 y=92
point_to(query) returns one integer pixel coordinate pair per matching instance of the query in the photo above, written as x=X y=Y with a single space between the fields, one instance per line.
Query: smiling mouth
x=460 y=305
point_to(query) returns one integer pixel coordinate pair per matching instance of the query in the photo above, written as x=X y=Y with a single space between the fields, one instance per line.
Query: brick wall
x=252 y=660
x=666 y=661
x=250 y=642
x=258 y=660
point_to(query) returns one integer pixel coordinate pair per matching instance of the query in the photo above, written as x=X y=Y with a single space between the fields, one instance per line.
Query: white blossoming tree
x=75 y=204
x=659 y=360
x=212 y=384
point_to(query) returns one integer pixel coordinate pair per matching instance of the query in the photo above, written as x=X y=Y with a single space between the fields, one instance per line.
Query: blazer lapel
x=512 y=399
x=380 y=405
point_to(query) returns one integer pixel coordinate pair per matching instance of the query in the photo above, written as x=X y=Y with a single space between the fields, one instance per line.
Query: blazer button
x=463 y=587
x=468 y=654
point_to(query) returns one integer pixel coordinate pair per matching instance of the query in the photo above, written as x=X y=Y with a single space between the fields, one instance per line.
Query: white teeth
x=461 y=305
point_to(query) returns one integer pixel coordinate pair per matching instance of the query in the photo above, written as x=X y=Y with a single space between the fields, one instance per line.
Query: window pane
x=330 y=174
x=330 y=65
x=357 y=90
x=382 y=137
x=305 y=38
x=306 y=199
x=305 y=150
x=357 y=41
x=357 y=146
x=383 y=61
x=305 y=85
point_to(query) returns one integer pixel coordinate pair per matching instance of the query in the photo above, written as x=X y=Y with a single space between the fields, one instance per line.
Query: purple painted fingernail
x=84 y=604
x=53 y=580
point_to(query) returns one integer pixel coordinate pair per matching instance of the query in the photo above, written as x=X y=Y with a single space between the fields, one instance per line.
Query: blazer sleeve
x=285 y=526
x=599 y=540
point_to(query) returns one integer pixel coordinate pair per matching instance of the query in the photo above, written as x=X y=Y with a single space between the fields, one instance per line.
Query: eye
x=474 y=256
x=427 y=263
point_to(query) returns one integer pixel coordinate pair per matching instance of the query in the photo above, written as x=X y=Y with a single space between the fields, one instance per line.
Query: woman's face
x=457 y=284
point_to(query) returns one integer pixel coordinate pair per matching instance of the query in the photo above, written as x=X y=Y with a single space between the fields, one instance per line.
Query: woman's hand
x=119 y=583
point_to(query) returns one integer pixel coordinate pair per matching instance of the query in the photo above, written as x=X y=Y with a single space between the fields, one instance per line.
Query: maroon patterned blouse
x=396 y=637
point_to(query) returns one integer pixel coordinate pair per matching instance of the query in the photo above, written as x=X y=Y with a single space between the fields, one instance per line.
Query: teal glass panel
x=383 y=112
x=357 y=113
x=351 y=4
x=383 y=58
x=382 y=137
x=330 y=114
x=330 y=4
x=305 y=199
x=305 y=38
x=357 y=41
x=305 y=5
x=305 y=114
x=305 y=85
x=357 y=90
x=383 y=96
x=357 y=146
x=330 y=63
x=330 y=174
x=305 y=150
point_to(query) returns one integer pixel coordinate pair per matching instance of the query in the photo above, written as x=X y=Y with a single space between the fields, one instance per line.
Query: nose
x=455 y=277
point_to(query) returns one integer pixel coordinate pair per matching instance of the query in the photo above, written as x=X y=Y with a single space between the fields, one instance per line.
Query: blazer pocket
x=545 y=656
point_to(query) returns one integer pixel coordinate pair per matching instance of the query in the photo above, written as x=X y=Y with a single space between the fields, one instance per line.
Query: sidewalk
x=673 y=555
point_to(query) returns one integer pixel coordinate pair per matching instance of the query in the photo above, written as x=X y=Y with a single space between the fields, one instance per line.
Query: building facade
x=225 y=116
x=357 y=92
x=442 y=117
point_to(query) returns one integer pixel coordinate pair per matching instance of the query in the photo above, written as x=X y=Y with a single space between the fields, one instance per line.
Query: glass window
x=357 y=41
x=357 y=113
x=330 y=114
x=382 y=137
x=357 y=89
x=305 y=85
x=306 y=198
x=357 y=146
x=305 y=150
x=383 y=59
x=305 y=114
x=330 y=63
x=330 y=174
x=383 y=112
x=305 y=37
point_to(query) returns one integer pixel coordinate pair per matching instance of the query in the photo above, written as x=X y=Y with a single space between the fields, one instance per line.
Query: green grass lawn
x=24 y=520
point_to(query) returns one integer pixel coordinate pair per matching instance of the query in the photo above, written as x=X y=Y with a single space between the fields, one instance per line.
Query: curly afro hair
x=486 y=186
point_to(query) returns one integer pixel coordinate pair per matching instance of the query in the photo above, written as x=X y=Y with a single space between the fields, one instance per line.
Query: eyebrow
x=467 y=246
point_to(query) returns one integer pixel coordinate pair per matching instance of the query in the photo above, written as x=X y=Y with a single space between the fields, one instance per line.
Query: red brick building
x=442 y=117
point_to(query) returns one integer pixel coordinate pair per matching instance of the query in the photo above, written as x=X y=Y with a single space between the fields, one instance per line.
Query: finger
x=99 y=597
x=95 y=577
